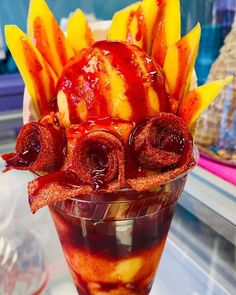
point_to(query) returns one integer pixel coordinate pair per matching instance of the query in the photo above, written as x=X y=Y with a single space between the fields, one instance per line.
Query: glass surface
x=199 y=256
x=114 y=247
x=22 y=264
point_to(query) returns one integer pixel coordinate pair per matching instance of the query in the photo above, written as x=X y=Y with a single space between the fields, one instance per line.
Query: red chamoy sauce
x=23 y=159
x=85 y=81
x=80 y=83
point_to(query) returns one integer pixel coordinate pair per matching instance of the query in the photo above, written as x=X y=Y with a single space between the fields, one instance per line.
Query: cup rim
x=103 y=197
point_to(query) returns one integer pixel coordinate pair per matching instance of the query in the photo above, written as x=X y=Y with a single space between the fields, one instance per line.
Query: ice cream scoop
x=110 y=80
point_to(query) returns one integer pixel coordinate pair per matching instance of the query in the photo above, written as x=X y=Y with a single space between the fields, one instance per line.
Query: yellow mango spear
x=39 y=78
x=135 y=24
x=47 y=36
x=79 y=33
x=167 y=29
x=197 y=100
x=179 y=63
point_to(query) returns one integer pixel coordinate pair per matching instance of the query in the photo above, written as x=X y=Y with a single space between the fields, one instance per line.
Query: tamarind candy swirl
x=97 y=164
x=161 y=142
x=98 y=159
x=165 y=143
x=38 y=148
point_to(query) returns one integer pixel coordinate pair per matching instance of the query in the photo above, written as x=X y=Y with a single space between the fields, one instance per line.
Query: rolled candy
x=54 y=187
x=162 y=143
x=97 y=164
x=98 y=159
x=38 y=148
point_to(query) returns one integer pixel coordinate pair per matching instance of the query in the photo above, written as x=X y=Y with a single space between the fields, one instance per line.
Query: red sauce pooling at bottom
x=93 y=246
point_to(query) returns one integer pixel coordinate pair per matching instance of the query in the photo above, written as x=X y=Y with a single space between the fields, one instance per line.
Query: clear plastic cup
x=113 y=242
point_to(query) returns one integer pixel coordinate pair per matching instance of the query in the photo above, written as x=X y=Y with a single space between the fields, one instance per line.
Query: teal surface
x=15 y=12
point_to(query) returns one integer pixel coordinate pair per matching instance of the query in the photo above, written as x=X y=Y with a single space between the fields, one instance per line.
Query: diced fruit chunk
x=79 y=33
x=167 y=29
x=47 y=35
x=39 y=78
x=197 y=100
x=178 y=66
x=125 y=270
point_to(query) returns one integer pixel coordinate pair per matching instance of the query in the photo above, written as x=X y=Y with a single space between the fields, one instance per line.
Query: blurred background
x=203 y=234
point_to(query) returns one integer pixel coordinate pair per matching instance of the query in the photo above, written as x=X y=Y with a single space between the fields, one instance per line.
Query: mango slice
x=47 y=36
x=150 y=11
x=167 y=30
x=39 y=78
x=197 y=100
x=121 y=23
x=179 y=63
x=79 y=33
x=135 y=24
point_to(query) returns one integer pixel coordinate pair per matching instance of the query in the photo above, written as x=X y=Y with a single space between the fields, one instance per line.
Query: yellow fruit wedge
x=150 y=11
x=197 y=100
x=179 y=64
x=47 y=36
x=79 y=33
x=135 y=24
x=121 y=21
x=39 y=78
x=167 y=29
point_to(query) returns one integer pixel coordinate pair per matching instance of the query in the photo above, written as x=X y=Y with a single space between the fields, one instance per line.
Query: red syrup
x=24 y=159
x=35 y=70
x=102 y=244
x=99 y=159
x=123 y=59
x=80 y=84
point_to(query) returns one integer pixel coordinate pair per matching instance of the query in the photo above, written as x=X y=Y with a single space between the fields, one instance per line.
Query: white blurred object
x=22 y=268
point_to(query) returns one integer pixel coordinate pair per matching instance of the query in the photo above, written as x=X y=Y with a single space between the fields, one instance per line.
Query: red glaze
x=110 y=125
x=60 y=43
x=189 y=106
x=123 y=59
x=42 y=42
x=184 y=58
x=25 y=159
x=81 y=84
x=35 y=70
x=158 y=82
x=159 y=46
x=85 y=81
x=89 y=35
x=160 y=2
x=141 y=29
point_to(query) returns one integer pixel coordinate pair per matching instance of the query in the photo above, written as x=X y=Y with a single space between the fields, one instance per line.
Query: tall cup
x=113 y=242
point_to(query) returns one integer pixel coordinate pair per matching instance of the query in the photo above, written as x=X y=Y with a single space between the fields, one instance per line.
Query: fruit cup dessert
x=109 y=136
